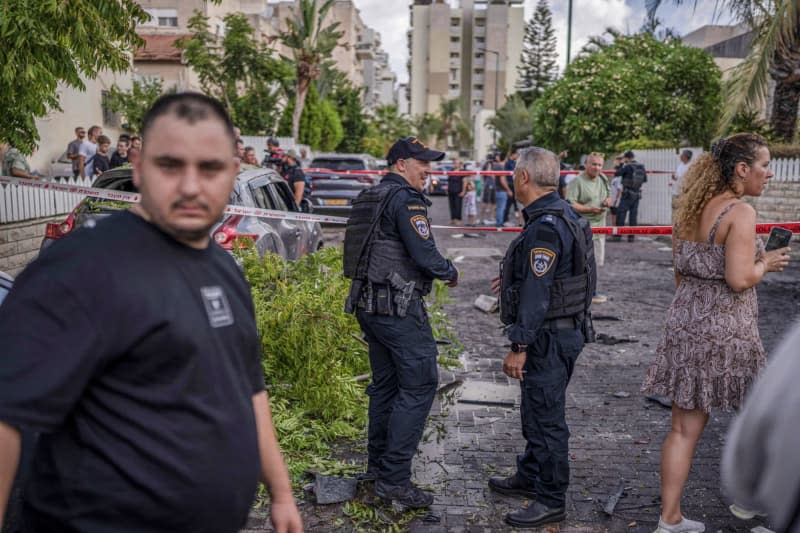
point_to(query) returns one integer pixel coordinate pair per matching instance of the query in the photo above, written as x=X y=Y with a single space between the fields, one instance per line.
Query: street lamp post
x=496 y=86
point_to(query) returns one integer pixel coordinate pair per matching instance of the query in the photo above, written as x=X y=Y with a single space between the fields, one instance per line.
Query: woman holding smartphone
x=711 y=350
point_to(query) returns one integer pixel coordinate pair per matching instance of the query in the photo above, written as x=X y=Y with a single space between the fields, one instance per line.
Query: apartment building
x=470 y=52
x=360 y=56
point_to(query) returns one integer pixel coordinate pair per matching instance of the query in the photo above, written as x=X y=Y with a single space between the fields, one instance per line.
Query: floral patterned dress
x=711 y=351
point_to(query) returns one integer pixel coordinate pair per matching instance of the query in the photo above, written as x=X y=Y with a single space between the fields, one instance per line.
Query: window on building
x=455 y=22
x=164 y=18
x=478 y=87
x=110 y=118
x=479 y=71
x=454 y=39
x=454 y=55
x=479 y=55
x=453 y=86
x=480 y=40
x=480 y=22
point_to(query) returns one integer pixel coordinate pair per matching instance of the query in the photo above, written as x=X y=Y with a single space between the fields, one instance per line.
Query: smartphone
x=778 y=238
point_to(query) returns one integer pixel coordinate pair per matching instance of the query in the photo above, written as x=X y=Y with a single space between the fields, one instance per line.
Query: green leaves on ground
x=44 y=44
x=312 y=353
x=635 y=87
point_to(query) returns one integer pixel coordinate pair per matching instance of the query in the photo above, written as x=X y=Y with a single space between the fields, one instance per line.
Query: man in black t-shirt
x=455 y=193
x=132 y=348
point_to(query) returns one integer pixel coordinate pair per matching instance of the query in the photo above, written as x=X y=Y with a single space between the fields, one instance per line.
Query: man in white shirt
x=87 y=151
x=680 y=171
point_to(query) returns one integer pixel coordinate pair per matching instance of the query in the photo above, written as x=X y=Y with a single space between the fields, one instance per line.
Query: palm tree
x=311 y=45
x=452 y=130
x=775 y=54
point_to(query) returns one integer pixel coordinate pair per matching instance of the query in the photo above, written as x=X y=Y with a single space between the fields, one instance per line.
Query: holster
x=587 y=327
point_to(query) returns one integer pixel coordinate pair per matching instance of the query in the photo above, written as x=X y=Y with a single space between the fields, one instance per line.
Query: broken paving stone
x=659 y=399
x=602 y=338
x=622 y=394
x=334 y=489
x=432 y=518
x=487 y=304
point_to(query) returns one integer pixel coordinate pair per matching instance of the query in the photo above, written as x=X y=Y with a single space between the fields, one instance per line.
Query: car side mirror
x=306 y=206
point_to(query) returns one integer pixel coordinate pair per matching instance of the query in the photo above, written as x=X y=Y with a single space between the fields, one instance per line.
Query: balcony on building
x=365 y=51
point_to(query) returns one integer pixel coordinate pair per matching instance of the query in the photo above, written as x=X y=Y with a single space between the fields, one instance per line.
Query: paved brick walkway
x=616 y=439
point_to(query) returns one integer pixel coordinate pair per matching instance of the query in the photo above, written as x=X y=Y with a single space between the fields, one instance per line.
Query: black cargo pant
x=402 y=355
x=545 y=462
x=628 y=208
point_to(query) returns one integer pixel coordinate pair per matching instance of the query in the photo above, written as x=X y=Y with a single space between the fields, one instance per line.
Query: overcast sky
x=590 y=17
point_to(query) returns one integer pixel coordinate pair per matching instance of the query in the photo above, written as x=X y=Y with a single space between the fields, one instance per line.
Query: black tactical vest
x=569 y=296
x=369 y=254
x=633 y=180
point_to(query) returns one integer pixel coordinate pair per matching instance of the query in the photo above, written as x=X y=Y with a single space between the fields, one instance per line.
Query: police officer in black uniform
x=546 y=284
x=390 y=255
x=633 y=176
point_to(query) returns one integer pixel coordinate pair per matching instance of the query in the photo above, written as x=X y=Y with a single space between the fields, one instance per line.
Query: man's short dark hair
x=272 y=141
x=191 y=107
x=124 y=138
x=687 y=153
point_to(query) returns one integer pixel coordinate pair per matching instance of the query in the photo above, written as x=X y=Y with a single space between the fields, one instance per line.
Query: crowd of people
x=91 y=155
x=164 y=411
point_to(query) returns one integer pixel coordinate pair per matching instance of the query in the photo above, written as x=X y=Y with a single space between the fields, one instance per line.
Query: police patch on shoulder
x=542 y=260
x=420 y=225
x=416 y=207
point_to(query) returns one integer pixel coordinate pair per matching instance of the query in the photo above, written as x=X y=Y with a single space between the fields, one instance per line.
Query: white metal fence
x=18 y=203
x=656 y=204
x=26 y=203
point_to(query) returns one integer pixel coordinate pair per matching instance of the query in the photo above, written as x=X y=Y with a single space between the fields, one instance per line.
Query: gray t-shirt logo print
x=219 y=312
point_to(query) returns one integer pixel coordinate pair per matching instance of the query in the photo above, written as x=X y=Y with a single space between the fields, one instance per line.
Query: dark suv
x=333 y=189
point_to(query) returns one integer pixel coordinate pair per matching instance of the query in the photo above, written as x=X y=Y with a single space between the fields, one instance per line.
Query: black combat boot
x=535 y=515
x=512 y=486
x=407 y=494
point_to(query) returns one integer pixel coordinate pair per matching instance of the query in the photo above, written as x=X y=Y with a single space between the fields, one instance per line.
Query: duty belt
x=561 y=323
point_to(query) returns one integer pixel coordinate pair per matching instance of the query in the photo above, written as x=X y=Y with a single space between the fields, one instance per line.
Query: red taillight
x=365 y=178
x=56 y=231
x=227 y=234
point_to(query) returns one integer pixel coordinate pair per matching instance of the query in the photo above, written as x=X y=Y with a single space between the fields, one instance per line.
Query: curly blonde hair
x=714 y=173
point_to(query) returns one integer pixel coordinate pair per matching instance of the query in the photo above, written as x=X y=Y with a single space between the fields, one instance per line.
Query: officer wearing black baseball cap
x=391 y=256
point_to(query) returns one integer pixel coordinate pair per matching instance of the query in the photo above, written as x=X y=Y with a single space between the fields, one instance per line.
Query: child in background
x=470 y=201
x=616 y=196
x=102 y=158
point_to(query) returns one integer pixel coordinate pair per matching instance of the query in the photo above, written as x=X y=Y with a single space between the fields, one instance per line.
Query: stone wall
x=779 y=203
x=19 y=243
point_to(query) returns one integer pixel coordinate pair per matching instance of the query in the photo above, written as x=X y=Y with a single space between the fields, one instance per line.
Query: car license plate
x=335 y=201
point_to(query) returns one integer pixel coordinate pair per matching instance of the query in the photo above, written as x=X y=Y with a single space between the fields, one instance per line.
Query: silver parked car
x=254 y=187
x=264 y=188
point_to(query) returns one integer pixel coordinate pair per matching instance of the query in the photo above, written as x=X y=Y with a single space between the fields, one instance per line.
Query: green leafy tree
x=538 y=69
x=774 y=56
x=311 y=44
x=354 y=123
x=513 y=121
x=134 y=103
x=453 y=132
x=45 y=44
x=427 y=126
x=239 y=71
x=320 y=126
x=636 y=87
x=384 y=128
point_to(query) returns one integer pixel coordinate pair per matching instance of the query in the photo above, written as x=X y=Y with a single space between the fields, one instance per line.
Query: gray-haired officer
x=546 y=283
x=390 y=255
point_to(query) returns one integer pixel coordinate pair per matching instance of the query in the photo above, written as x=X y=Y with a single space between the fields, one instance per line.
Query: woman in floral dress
x=711 y=351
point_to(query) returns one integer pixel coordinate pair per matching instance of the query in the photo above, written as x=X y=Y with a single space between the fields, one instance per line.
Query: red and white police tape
x=132 y=197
